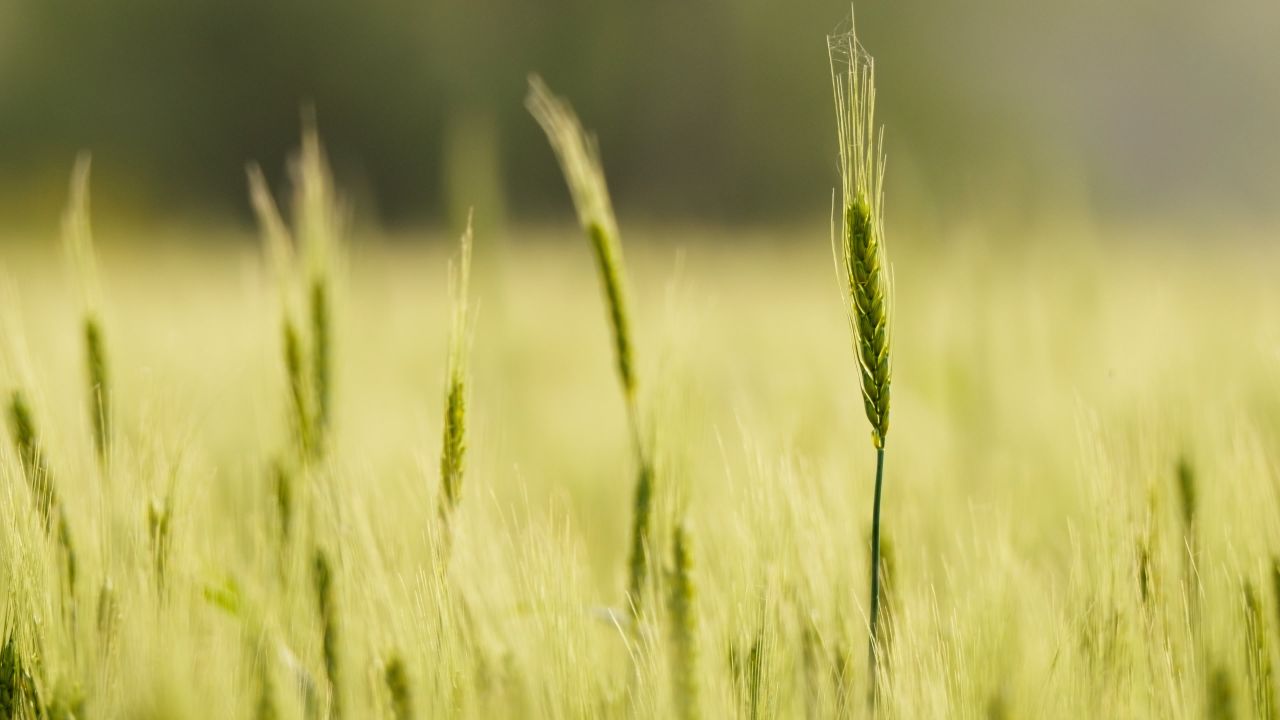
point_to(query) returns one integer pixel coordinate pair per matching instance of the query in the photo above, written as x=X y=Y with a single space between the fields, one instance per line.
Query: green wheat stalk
x=865 y=267
x=453 y=449
x=322 y=579
x=303 y=420
x=317 y=223
x=681 y=605
x=317 y=220
x=1258 y=649
x=36 y=469
x=78 y=240
x=579 y=160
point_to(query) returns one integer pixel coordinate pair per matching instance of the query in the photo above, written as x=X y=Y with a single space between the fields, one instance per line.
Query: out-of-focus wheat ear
x=638 y=560
x=77 y=237
x=159 y=519
x=397 y=680
x=579 y=161
x=99 y=388
x=454 y=442
x=277 y=241
x=1275 y=591
x=1185 y=479
x=35 y=468
x=1222 y=695
x=1258 y=655
x=322 y=578
x=683 y=612
x=321 y=356
x=318 y=222
x=301 y=415
x=282 y=489
x=108 y=613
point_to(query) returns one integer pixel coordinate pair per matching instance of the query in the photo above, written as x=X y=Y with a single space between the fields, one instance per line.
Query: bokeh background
x=713 y=111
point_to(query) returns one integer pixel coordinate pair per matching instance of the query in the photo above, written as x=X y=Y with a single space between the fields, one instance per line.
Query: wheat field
x=1081 y=507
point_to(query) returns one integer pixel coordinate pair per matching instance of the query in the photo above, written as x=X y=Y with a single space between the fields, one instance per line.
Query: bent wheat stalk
x=78 y=240
x=865 y=268
x=579 y=160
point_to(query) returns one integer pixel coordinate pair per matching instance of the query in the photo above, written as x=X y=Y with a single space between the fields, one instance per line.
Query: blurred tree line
x=718 y=109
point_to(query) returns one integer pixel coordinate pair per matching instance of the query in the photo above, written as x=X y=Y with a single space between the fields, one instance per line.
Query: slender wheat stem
x=579 y=160
x=78 y=241
x=681 y=604
x=865 y=268
x=454 y=443
x=318 y=224
x=1258 y=655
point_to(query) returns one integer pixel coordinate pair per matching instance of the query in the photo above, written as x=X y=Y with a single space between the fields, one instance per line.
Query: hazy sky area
x=715 y=110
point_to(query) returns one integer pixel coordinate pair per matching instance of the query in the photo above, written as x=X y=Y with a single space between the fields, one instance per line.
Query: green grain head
x=579 y=160
x=454 y=443
x=860 y=237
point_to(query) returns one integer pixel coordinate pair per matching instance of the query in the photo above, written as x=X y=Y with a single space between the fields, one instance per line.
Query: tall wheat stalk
x=579 y=160
x=35 y=467
x=322 y=579
x=308 y=346
x=864 y=265
x=454 y=443
x=681 y=605
x=77 y=238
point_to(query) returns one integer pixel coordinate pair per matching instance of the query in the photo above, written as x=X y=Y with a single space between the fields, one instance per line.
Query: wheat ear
x=579 y=160
x=78 y=239
x=865 y=267
x=453 y=449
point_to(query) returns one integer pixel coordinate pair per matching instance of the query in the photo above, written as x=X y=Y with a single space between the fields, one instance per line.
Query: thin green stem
x=872 y=647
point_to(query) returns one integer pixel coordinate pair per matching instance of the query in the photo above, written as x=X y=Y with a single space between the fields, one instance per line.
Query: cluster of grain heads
x=454 y=443
x=322 y=579
x=78 y=240
x=35 y=468
x=683 y=612
x=317 y=223
x=864 y=266
x=397 y=681
x=580 y=163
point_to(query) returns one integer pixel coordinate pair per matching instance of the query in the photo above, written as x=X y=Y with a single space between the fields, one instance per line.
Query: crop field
x=324 y=471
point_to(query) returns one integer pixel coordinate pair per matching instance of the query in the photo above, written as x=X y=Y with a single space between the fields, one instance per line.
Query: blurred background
x=712 y=111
